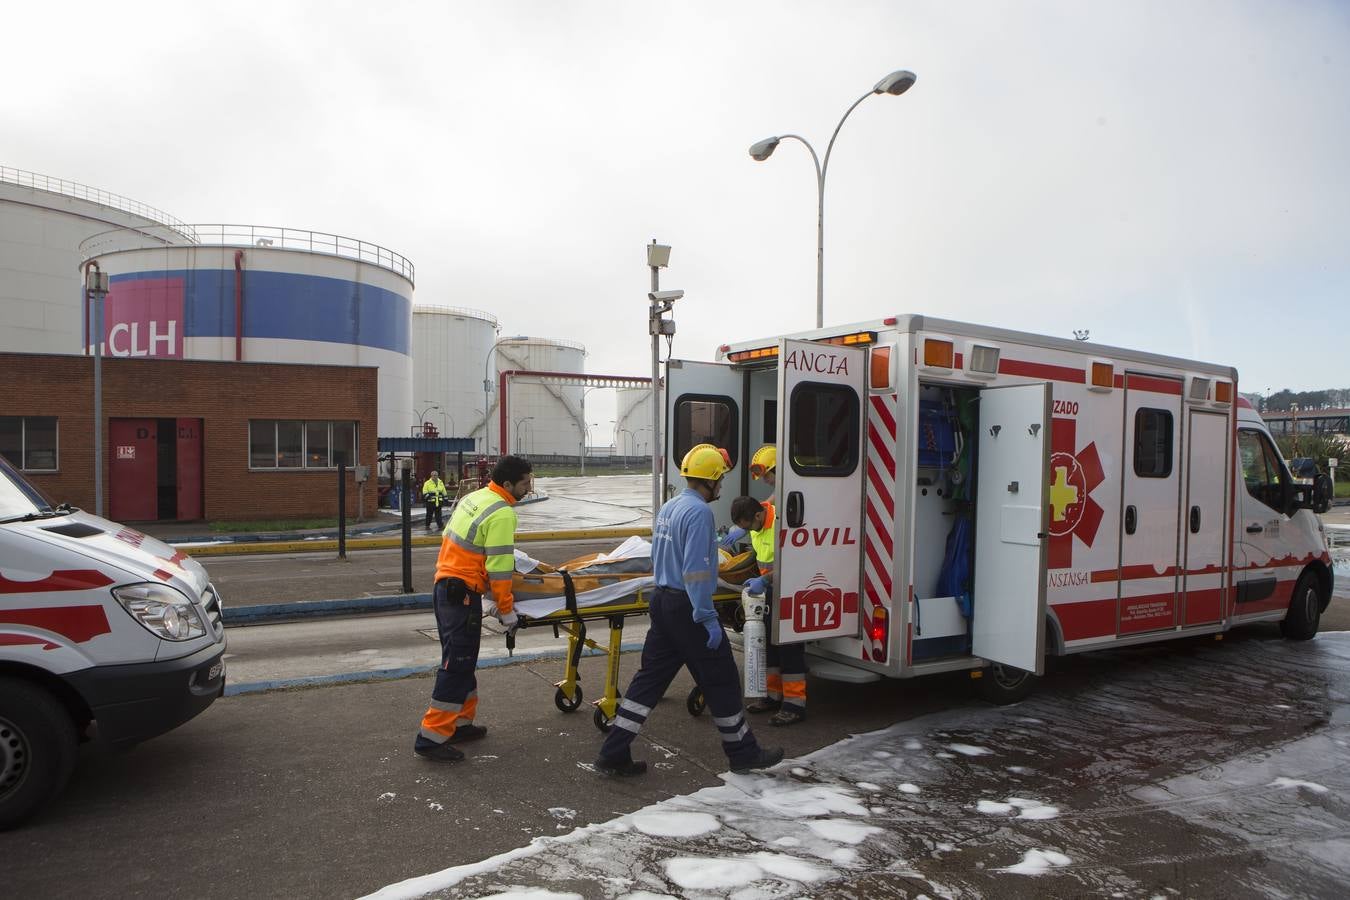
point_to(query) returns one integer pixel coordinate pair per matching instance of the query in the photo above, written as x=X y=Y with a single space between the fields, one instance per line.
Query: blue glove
x=714 y=633
x=732 y=537
x=757 y=585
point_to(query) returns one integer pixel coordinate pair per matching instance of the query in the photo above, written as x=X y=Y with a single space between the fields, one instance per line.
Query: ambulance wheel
x=1305 y=610
x=560 y=699
x=602 y=721
x=37 y=749
x=1001 y=685
x=696 y=702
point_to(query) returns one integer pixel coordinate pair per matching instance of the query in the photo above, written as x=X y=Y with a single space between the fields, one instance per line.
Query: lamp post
x=585 y=437
x=422 y=416
x=631 y=441
x=658 y=258
x=96 y=284
x=487 y=386
x=894 y=84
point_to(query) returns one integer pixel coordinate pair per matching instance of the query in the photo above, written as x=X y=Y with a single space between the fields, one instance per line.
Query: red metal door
x=189 y=440
x=132 y=491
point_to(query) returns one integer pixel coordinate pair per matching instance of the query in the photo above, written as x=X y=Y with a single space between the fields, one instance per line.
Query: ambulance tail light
x=1102 y=376
x=880 y=625
x=938 y=354
x=163 y=611
x=879 y=375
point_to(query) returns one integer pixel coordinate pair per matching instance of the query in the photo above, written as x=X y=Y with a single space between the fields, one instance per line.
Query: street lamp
x=586 y=437
x=487 y=385
x=422 y=416
x=894 y=84
x=96 y=285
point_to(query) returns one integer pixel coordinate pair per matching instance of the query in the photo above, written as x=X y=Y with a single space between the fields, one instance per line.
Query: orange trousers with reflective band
x=785 y=670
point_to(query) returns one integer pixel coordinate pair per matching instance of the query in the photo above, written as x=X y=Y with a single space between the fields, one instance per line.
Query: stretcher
x=609 y=588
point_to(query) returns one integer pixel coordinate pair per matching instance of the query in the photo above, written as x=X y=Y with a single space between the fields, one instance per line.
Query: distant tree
x=1280 y=401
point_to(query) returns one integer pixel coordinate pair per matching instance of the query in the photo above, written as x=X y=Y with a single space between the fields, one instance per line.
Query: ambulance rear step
x=837 y=671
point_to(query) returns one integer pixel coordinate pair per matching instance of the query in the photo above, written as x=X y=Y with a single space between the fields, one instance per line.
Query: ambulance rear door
x=1008 y=621
x=819 y=494
x=703 y=406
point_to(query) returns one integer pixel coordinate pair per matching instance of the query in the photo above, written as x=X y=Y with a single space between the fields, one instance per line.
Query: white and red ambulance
x=953 y=496
x=98 y=623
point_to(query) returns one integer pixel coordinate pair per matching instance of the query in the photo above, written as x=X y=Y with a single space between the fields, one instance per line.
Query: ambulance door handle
x=1255 y=529
x=796 y=509
x=1131 y=519
x=1195 y=520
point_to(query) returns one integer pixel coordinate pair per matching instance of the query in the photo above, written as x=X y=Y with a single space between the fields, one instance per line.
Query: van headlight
x=162 y=610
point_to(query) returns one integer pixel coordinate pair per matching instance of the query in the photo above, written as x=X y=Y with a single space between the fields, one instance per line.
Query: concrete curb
x=265 y=613
x=258 y=687
x=420 y=540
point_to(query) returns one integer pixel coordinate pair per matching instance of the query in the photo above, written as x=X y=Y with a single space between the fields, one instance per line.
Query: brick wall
x=225 y=395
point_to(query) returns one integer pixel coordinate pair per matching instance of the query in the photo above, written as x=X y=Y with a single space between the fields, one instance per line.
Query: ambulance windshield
x=17 y=497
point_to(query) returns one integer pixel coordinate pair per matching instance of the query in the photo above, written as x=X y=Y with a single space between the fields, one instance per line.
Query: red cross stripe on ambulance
x=1074 y=475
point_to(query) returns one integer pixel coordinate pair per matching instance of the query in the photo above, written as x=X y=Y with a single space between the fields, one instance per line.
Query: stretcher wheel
x=560 y=699
x=696 y=702
x=603 y=722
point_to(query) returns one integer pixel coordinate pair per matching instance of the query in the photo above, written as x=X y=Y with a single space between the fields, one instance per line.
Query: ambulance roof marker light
x=1101 y=376
x=938 y=353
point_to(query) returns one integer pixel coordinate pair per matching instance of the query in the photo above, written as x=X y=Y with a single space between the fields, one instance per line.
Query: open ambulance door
x=1008 y=622
x=703 y=405
x=819 y=492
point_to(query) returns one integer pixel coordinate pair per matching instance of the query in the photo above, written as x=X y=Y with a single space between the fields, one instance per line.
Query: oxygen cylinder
x=753 y=641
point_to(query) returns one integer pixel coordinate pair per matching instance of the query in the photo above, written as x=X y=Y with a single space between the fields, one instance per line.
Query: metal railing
x=465 y=311
x=22 y=178
x=254 y=236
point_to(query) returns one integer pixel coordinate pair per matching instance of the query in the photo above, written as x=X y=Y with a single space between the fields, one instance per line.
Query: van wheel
x=1002 y=684
x=1305 y=610
x=37 y=749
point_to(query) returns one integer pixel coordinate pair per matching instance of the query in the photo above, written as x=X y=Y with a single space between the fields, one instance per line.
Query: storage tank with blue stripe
x=261 y=294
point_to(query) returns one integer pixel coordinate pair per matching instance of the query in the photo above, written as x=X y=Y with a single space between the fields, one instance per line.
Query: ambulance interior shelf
x=944 y=505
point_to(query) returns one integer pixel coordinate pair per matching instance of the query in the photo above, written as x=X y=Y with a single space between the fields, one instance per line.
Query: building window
x=290 y=444
x=1152 y=443
x=703 y=419
x=29 y=442
x=824 y=429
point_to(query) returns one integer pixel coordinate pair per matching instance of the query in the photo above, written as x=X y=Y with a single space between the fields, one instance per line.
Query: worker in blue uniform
x=685 y=630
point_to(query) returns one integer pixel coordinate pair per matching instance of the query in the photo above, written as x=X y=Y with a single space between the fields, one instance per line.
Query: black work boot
x=765 y=759
x=468 y=732
x=440 y=753
x=620 y=768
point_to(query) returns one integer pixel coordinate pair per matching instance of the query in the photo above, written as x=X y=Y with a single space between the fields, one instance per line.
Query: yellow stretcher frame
x=568 y=695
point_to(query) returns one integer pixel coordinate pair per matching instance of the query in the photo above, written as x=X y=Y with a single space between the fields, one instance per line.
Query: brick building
x=191 y=439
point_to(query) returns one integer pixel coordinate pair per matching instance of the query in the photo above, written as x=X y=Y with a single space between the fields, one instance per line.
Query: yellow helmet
x=705 y=461
x=764 y=461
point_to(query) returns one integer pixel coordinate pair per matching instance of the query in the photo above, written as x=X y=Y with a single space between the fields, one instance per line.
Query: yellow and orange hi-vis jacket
x=763 y=540
x=478 y=545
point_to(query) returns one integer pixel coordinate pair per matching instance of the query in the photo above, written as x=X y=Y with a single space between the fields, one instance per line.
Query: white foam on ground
x=1038 y=862
x=675 y=824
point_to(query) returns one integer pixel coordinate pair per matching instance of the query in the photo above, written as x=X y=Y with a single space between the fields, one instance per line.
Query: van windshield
x=17 y=497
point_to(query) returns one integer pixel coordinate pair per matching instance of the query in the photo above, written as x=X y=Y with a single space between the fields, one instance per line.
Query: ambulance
x=98 y=624
x=952 y=496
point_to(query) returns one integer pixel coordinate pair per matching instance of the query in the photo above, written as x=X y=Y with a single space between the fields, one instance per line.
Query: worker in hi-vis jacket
x=434 y=496
x=478 y=553
x=685 y=630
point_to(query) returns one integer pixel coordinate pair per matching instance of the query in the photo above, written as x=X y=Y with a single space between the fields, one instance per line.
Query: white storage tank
x=544 y=418
x=633 y=422
x=451 y=349
x=42 y=222
x=263 y=294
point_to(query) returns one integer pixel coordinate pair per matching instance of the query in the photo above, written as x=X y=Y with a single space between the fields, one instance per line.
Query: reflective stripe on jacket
x=762 y=540
x=478 y=545
x=434 y=489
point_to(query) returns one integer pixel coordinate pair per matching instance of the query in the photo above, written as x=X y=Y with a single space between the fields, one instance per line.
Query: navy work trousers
x=454 y=696
x=674 y=640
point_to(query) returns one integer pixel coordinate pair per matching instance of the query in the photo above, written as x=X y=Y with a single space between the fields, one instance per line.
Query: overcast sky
x=1171 y=176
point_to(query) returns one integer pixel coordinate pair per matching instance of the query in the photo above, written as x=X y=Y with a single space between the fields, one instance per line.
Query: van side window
x=1152 y=443
x=824 y=429
x=1261 y=469
x=706 y=419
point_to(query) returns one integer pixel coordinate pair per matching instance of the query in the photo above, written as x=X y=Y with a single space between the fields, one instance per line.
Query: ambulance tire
x=560 y=699
x=601 y=721
x=696 y=702
x=38 y=752
x=1305 y=610
x=1002 y=685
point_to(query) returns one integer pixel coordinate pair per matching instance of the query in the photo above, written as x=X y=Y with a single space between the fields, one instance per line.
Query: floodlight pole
x=96 y=284
x=657 y=257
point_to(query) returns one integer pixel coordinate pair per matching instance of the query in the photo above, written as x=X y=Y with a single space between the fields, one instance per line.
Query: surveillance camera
x=664 y=296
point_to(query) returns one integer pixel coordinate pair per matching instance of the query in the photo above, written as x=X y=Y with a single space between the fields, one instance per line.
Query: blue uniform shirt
x=684 y=551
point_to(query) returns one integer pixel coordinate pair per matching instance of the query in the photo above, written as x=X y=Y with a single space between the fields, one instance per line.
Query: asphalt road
x=315 y=792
